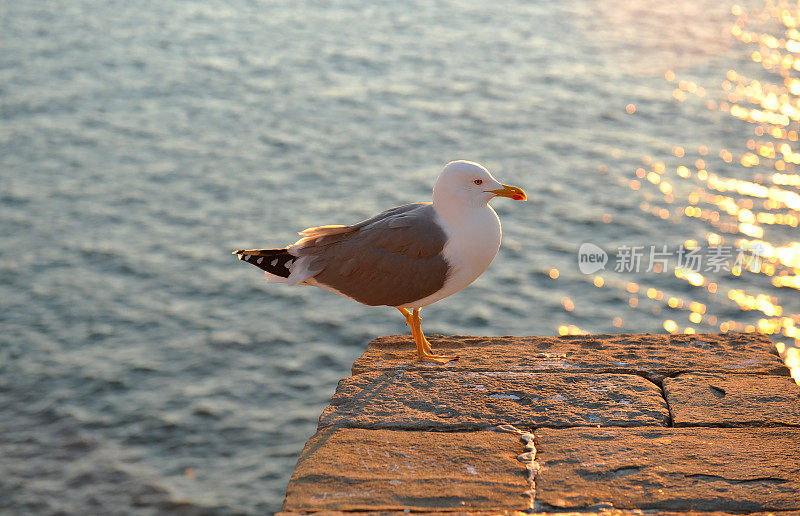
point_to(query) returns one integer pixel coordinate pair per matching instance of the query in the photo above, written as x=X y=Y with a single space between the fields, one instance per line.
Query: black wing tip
x=273 y=261
x=261 y=252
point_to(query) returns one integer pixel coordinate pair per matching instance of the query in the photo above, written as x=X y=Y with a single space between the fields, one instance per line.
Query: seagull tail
x=277 y=262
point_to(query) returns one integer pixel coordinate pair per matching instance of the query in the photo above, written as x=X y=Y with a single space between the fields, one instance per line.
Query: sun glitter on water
x=747 y=198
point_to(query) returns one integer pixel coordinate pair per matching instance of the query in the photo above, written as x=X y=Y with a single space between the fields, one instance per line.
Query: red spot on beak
x=517 y=197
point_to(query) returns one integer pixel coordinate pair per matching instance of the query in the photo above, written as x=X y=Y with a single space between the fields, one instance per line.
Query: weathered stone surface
x=356 y=469
x=446 y=400
x=704 y=469
x=448 y=512
x=604 y=511
x=720 y=380
x=654 y=356
x=718 y=399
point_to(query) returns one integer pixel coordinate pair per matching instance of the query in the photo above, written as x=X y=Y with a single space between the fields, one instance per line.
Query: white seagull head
x=468 y=183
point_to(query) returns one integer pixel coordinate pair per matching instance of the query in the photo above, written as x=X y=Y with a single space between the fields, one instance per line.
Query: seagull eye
x=478 y=181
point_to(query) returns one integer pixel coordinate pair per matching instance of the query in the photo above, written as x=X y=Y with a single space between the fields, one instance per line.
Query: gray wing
x=391 y=259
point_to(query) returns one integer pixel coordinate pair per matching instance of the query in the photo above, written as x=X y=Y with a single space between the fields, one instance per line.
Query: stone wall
x=598 y=423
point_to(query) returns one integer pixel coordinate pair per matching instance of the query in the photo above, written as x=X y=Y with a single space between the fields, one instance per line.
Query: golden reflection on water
x=736 y=212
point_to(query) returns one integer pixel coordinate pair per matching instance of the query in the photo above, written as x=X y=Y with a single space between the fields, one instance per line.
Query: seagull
x=408 y=256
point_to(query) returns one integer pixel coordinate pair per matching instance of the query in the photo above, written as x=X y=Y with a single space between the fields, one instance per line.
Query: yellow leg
x=428 y=356
x=424 y=351
x=409 y=321
x=425 y=344
x=406 y=314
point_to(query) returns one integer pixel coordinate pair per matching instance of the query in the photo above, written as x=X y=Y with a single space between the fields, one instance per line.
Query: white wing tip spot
x=260 y=260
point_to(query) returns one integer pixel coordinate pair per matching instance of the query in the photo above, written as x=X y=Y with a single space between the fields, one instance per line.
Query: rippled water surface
x=140 y=142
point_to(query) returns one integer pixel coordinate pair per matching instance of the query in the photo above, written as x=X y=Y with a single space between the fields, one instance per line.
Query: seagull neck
x=454 y=213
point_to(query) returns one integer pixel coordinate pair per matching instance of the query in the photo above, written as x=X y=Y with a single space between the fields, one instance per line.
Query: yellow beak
x=512 y=192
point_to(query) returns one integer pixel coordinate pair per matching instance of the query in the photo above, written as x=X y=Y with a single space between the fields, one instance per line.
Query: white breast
x=472 y=244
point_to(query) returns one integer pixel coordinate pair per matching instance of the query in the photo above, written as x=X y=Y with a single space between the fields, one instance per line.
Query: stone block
x=650 y=355
x=716 y=399
x=447 y=400
x=603 y=510
x=702 y=469
x=446 y=512
x=385 y=470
